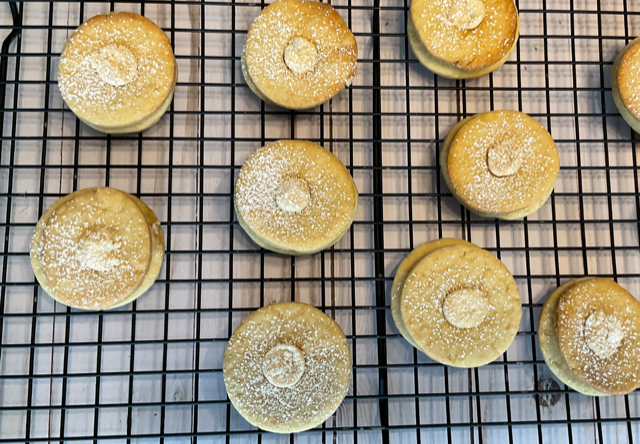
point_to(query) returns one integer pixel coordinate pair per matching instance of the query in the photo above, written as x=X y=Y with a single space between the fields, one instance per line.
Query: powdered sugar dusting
x=94 y=249
x=504 y=158
x=467 y=14
x=99 y=250
x=332 y=194
x=274 y=29
x=292 y=195
x=603 y=333
x=127 y=96
x=300 y=55
x=471 y=176
x=469 y=49
x=620 y=371
x=283 y=365
x=320 y=389
x=115 y=65
x=465 y=308
x=447 y=271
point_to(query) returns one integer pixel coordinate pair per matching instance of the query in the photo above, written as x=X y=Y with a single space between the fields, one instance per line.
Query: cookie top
x=501 y=162
x=469 y=34
x=287 y=367
x=549 y=347
x=628 y=81
x=92 y=249
x=598 y=333
x=299 y=53
x=461 y=306
x=295 y=197
x=116 y=70
x=404 y=269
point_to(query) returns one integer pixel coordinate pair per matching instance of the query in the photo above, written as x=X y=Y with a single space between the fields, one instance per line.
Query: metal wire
x=12 y=85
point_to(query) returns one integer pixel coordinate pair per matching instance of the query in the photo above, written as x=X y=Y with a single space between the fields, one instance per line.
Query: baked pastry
x=299 y=54
x=456 y=303
x=463 y=39
x=287 y=367
x=626 y=84
x=97 y=248
x=294 y=197
x=117 y=73
x=403 y=271
x=500 y=164
x=589 y=333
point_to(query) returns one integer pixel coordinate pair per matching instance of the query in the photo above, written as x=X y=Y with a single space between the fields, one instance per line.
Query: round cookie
x=549 y=347
x=299 y=54
x=404 y=269
x=97 y=248
x=500 y=164
x=117 y=73
x=287 y=367
x=597 y=331
x=625 y=84
x=461 y=306
x=294 y=197
x=463 y=39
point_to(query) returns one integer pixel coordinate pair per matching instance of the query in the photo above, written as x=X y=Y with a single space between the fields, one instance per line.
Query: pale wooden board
x=180 y=386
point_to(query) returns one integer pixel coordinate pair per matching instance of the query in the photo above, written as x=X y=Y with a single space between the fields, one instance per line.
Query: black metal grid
x=543 y=392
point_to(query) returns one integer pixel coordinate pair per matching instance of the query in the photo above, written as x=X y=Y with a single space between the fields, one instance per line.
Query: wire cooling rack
x=151 y=371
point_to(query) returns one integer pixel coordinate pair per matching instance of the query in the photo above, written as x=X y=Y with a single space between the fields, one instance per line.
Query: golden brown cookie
x=597 y=332
x=462 y=39
x=625 y=83
x=117 y=73
x=287 y=367
x=299 y=54
x=500 y=164
x=295 y=197
x=549 y=347
x=404 y=269
x=460 y=305
x=97 y=248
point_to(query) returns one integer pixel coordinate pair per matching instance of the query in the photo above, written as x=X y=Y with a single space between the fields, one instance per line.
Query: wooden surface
x=165 y=345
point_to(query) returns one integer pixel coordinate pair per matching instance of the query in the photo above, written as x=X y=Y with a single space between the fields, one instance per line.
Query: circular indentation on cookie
x=99 y=249
x=300 y=55
x=603 y=333
x=467 y=14
x=283 y=365
x=465 y=308
x=115 y=65
x=504 y=158
x=293 y=195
